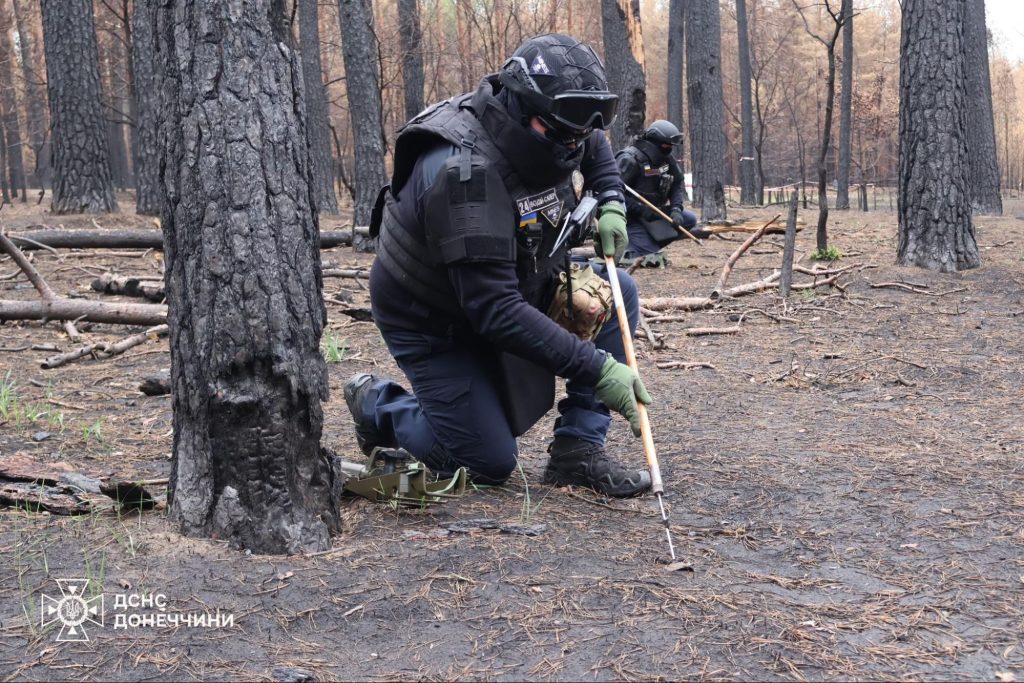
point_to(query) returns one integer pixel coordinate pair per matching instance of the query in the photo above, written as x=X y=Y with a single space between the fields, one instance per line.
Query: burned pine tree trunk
x=9 y=108
x=981 y=131
x=113 y=111
x=676 y=51
x=322 y=162
x=748 y=190
x=81 y=165
x=934 y=201
x=706 y=106
x=845 y=111
x=146 y=86
x=35 y=109
x=623 y=54
x=243 y=282
x=412 y=56
x=362 y=86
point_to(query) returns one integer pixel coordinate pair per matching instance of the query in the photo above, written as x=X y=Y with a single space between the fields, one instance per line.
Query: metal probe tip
x=668 y=532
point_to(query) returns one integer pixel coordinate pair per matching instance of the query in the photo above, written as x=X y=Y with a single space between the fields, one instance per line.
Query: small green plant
x=334 y=348
x=93 y=432
x=8 y=396
x=31 y=413
x=55 y=419
x=830 y=254
x=529 y=508
x=95 y=574
x=808 y=294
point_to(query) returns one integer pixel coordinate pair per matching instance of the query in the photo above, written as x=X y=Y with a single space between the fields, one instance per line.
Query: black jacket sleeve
x=599 y=169
x=629 y=171
x=489 y=296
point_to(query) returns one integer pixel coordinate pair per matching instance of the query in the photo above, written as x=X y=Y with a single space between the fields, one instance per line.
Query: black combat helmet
x=663 y=133
x=561 y=81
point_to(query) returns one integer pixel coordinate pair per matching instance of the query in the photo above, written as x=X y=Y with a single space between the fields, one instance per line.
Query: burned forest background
x=410 y=54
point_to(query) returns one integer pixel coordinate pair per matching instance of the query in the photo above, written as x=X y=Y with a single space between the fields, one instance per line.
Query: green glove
x=620 y=388
x=612 y=237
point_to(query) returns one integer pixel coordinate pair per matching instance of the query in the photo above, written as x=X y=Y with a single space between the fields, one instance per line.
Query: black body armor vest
x=540 y=209
x=656 y=177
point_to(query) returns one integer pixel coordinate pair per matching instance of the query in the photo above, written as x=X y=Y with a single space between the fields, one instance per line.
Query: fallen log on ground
x=48 y=295
x=104 y=349
x=717 y=228
x=80 y=309
x=127 y=285
x=136 y=239
x=59 y=489
x=158 y=384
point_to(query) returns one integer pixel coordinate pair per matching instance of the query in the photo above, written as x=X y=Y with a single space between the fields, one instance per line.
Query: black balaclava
x=537 y=159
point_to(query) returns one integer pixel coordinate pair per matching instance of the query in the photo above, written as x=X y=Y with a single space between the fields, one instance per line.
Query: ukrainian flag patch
x=527 y=219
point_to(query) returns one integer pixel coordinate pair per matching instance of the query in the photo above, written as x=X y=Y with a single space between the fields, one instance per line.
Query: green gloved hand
x=620 y=388
x=612 y=238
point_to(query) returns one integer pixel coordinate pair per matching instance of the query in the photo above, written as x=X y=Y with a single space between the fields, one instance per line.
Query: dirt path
x=847 y=484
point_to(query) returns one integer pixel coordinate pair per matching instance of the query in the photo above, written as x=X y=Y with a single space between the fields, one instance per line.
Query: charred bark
x=243 y=282
x=359 y=48
x=676 y=51
x=146 y=86
x=706 y=106
x=845 y=110
x=412 y=56
x=981 y=130
x=620 y=21
x=934 y=201
x=321 y=160
x=81 y=165
x=748 y=189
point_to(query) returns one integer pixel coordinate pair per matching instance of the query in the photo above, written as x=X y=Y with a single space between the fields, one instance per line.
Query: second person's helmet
x=663 y=133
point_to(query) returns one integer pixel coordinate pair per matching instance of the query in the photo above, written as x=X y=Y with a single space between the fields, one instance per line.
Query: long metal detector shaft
x=682 y=231
x=645 y=424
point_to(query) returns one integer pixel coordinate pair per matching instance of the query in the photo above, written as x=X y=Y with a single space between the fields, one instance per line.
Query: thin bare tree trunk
x=676 y=54
x=845 y=111
x=317 y=113
x=9 y=108
x=35 y=110
x=748 y=194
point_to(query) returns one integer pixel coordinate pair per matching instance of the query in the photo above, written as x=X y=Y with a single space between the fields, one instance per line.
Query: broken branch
x=727 y=268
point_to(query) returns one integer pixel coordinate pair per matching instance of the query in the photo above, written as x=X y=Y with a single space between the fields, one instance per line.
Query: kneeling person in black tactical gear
x=648 y=167
x=467 y=264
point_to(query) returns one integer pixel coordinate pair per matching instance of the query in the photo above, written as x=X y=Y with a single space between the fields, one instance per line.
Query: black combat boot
x=581 y=463
x=357 y=391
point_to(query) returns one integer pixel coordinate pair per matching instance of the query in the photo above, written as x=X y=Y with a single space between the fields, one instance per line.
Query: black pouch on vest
x=526 y=389
x=660 y=230
x=377 y=214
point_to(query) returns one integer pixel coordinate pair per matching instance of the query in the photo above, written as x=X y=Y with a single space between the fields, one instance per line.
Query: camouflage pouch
x=591 y=298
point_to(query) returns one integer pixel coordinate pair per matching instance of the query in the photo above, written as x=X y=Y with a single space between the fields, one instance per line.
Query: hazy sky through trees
x=1005 y=20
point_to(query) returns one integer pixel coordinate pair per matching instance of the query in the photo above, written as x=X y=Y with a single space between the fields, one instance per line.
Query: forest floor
x=846 y=483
